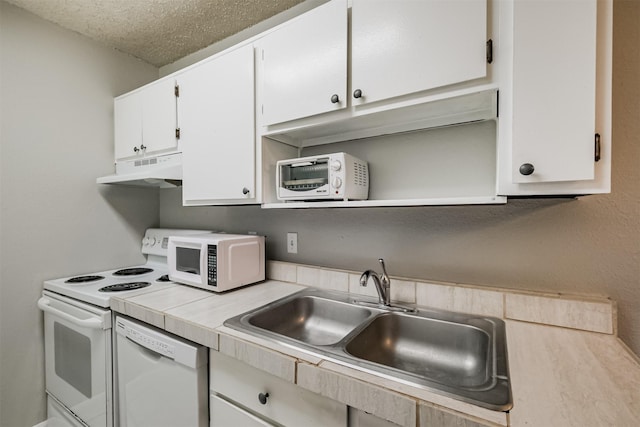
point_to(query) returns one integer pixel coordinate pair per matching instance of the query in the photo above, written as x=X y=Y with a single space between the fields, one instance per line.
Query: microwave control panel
x=212 y=265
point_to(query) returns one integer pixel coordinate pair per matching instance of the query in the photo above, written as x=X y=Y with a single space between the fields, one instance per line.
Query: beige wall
x=586 y=246
x=56 y=137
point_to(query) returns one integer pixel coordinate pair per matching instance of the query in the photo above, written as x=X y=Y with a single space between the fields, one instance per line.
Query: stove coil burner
x=135 y=271
x=83 y=279
x=124 y=287
x=163 y=278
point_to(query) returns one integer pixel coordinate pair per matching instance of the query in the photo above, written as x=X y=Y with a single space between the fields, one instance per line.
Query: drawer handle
x=262 y=397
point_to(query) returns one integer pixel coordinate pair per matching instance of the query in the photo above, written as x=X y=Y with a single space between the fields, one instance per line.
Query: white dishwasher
x=161 y=379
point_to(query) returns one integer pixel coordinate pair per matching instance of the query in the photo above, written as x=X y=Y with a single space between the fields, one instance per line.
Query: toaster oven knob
x=336 y=183
x=336 y=165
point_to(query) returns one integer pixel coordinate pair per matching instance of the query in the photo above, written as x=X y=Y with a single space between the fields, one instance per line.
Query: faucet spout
x=382 y=282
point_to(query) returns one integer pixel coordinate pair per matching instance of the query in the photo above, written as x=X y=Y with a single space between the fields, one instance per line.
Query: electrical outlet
x=292 y=243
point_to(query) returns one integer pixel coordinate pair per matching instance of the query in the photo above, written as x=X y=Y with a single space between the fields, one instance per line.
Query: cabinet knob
x=357 y=93
x=136 y=149
x=142 y=147
x=262 y=397
x=245 y=191
x=526 y=169
x=335 y=99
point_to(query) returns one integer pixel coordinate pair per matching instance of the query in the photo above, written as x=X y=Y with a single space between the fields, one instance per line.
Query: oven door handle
x=44 y=305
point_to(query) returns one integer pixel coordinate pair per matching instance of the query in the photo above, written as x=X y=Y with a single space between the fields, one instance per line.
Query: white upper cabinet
x=217 y=109
x=403 y=47
x=555 y=97
x=554 y=89
x=304 y=65
x=145 y=120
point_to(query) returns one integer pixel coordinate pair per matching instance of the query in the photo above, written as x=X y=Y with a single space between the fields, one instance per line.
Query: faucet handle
x=385 y=277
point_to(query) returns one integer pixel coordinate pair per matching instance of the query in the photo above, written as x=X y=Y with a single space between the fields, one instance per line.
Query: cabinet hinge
x=489 y=51
x=596 y=154
x=176 y=91
x=177 y=133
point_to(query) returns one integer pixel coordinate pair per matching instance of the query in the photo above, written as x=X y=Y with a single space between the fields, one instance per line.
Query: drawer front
x=224 y=413
x=286 y=403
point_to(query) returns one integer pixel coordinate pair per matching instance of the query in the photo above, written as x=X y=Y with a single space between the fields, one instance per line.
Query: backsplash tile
x=458 y=298
x=586 y=315
x=323 y=278
x=591 y=314
x=282 y=271
x=401 y=290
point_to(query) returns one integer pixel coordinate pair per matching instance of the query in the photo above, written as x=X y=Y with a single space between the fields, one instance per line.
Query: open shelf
x=440 y=201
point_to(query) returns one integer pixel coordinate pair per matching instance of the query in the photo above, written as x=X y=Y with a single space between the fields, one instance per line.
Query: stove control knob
x=152 y=241
x=145 y=241
x=336 y=183
x=336 y=165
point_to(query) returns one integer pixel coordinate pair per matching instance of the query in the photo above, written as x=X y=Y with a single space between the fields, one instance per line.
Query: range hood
x=163 y=171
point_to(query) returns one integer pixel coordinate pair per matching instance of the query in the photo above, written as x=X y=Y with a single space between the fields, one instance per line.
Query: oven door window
x=72 y=358
x=188 y=260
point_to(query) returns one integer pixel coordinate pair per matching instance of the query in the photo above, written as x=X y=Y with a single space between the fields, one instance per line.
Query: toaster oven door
x=304 y=180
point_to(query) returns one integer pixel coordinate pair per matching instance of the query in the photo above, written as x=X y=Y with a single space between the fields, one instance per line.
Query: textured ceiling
x=156 y=31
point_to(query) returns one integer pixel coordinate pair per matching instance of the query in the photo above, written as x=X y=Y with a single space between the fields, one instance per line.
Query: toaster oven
x=335 y=176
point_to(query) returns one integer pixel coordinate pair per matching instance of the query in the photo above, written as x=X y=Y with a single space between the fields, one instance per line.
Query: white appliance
x=335 y=176
x=163 y=171
x=216 y=262
x=77 y=331
x=162 y=380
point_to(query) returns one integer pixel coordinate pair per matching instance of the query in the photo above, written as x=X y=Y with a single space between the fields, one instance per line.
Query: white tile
x=283 y=271
x=426 y=395
x=401 y=290
x=461 y=299
x=565 y=377
x=323 y=279
x=253 y=355
x=577 y=314
x=375 y=400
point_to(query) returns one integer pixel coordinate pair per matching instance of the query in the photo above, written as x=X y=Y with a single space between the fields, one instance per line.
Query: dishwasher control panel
x=160 y=342
x=146 y=340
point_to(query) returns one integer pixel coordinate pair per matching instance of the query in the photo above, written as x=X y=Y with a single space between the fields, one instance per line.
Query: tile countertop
x=559 y=376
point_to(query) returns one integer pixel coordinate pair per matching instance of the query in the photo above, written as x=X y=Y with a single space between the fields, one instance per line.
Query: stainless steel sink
x=447 y=352
x=458 y=355
x=310 y=319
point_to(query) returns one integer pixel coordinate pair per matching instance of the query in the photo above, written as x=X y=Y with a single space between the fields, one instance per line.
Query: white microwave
x=216 y=262
x=335 y=176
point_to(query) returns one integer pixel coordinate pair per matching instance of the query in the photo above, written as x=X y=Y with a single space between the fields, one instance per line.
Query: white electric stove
x=78 y=331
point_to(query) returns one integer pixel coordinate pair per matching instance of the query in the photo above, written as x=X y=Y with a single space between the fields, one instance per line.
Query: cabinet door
x=217 y=129
x=145 y=120
x=159 y=116
x=223 y=413
x=554 y=88
x=405 y=46
x=127 y=118
x=304 y=64
x=286 y=404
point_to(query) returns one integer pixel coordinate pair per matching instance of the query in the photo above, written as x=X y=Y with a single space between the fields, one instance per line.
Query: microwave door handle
x=44 y=305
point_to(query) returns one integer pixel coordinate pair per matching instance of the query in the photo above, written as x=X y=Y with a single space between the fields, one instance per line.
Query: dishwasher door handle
x=45 y=305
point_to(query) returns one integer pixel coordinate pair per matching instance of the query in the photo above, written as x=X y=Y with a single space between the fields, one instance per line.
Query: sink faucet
x=382 y=282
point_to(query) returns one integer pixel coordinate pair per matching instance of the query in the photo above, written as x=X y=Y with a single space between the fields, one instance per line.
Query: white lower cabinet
x=253 y=396
x=224 y=413
x=358 y=418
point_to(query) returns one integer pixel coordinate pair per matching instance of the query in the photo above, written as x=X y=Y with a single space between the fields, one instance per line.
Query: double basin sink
x=458 y=355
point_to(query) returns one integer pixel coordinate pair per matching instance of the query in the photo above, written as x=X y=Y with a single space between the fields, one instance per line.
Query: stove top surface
x=97 y=288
